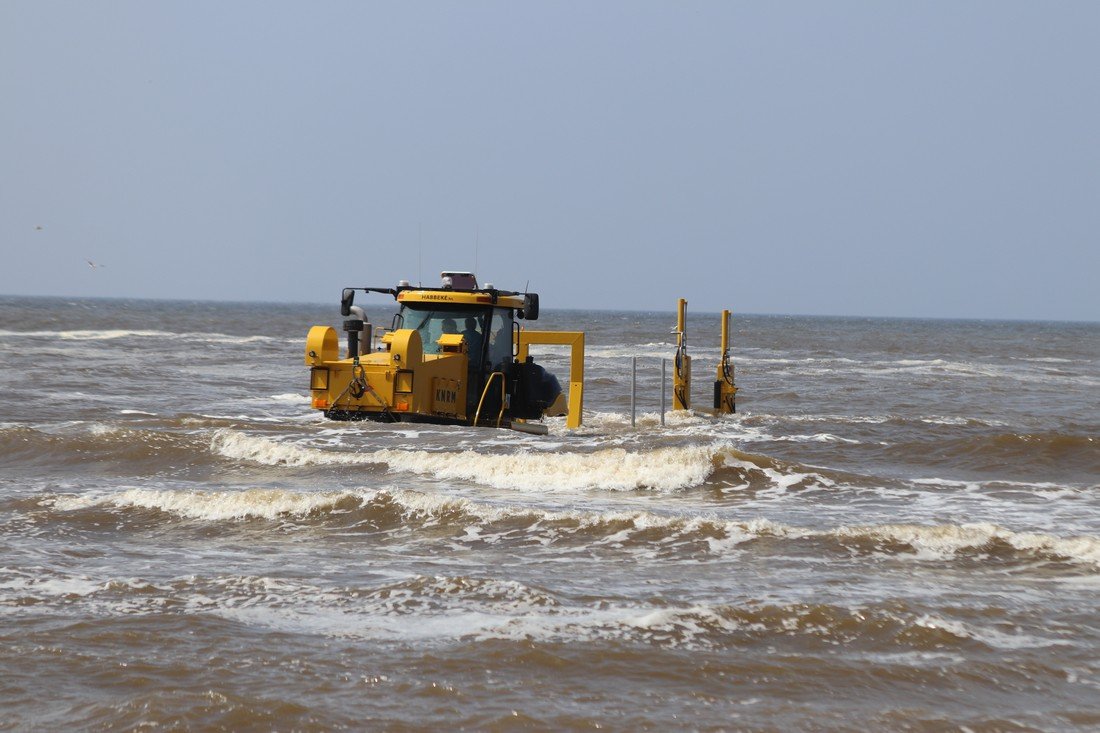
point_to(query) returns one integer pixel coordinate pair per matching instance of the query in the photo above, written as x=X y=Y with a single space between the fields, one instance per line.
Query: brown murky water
x=899 y=531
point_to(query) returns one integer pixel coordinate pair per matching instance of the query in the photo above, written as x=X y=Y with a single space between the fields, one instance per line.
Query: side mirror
x=530 y=306
x=346 y=299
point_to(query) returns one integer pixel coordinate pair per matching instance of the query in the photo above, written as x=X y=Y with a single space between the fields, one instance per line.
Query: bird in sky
x=94 y=265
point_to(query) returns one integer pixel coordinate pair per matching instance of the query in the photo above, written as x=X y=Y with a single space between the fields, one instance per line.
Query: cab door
x=501 y=347
x=499 y=351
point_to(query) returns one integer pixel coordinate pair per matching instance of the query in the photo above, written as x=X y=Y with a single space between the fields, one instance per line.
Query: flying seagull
x=93 y=265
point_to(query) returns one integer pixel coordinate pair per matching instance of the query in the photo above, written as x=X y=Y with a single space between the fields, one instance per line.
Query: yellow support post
x=725 y=393
x=484 y=392
x=575 y=340
x=681 y=373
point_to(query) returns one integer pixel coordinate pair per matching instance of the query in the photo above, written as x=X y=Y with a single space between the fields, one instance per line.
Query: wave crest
x=611 y=469
x=474 y=522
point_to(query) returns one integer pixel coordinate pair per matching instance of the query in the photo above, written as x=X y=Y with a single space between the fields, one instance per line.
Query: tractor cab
x=486 y=335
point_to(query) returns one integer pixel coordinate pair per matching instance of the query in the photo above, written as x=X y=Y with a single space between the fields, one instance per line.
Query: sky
x=932 y=159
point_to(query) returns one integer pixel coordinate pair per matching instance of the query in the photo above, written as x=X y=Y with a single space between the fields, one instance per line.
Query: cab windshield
x=434 y=321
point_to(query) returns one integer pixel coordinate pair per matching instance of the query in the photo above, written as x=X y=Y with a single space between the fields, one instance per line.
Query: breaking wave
x=507 y=466
x=449 y=607
x=114 y=334
x=635 y=530
x=613 y=469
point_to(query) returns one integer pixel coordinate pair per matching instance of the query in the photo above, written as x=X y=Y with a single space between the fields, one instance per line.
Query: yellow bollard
x=681 y=373
x=725 y=393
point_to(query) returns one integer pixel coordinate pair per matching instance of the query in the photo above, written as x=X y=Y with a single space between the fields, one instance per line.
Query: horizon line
x=578 y=309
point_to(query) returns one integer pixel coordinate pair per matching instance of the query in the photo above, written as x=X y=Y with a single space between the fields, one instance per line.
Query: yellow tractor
x=455 y=354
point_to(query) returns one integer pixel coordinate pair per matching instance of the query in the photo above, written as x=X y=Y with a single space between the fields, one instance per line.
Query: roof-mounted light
x=455 y=280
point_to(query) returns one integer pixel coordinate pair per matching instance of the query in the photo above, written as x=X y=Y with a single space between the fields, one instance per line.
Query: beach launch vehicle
x=456 y=354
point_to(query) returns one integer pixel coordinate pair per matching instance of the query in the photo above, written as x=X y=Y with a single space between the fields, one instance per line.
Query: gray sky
x=870 y=158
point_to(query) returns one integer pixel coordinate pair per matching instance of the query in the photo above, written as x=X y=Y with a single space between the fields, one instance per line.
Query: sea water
x=898 y=530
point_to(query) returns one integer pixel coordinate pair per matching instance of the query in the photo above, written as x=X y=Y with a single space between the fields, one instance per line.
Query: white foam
x=832 y=418
x=1048 y=490
x=814 y=438
x=442 y=607
x=663 y=469
x=446 y=608
x=547 y=525
x=946 y=483
x=687 y=623
x=943 y=541
x=648 y=354
x=987 y=635
x=292 y=397
x=930 y=542
x=1044 y=359
x=112 y=334
x=599 y=422
x=214 y=505
x=50 y=586
x=940 y=367
x=612 y=469
x=225 y=338
x=235 y=444
x=107 y=335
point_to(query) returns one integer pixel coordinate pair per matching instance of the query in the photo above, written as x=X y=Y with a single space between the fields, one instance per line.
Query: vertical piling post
x=725 y=331
x=724 y=390
x=633 y=388
x=681 y=375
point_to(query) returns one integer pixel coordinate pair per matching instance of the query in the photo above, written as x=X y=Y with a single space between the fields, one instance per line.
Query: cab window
x=432 y=322
x=500 y=338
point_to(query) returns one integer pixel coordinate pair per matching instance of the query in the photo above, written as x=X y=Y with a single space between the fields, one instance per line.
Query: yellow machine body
x=401 y=379
x=575 y=340
x=459 y=297
x=481 y=376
